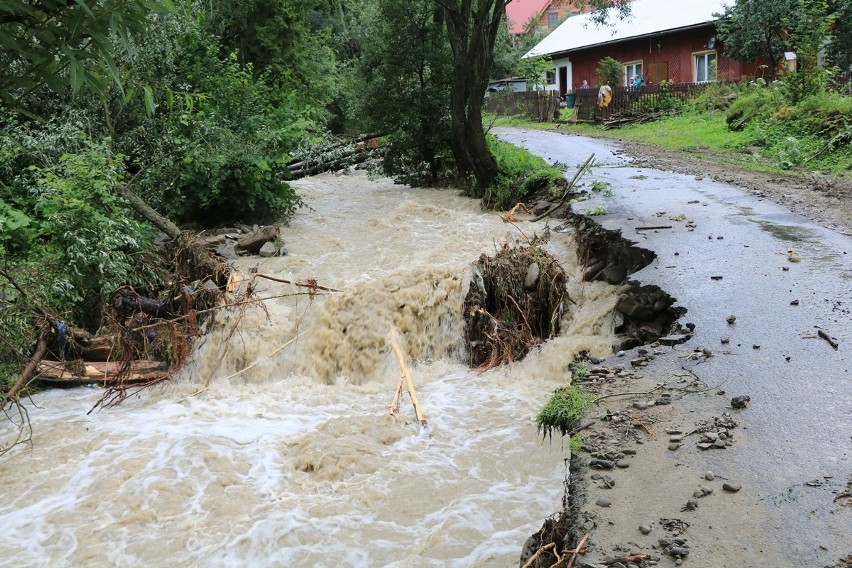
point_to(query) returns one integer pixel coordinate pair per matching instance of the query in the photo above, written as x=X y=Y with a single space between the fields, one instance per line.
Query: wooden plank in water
x=82 y=372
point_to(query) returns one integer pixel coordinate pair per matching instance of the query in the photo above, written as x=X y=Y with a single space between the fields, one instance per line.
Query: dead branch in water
x=538 y=553
x=25 y=429
x=29 y=370
x=409 y=381
x=310 y=283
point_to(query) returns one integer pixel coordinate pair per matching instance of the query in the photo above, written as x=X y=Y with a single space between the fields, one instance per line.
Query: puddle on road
x=788 y=233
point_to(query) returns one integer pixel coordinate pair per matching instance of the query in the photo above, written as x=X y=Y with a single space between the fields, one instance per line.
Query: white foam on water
x=296 y=461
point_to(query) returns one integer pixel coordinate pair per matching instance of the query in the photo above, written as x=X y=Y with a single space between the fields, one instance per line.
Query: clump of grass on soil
x=563 y=411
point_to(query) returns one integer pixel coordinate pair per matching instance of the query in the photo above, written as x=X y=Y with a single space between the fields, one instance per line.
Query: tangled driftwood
x=514 y=303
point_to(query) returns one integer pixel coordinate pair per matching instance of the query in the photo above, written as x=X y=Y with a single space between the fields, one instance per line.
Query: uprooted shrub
x=514 y=303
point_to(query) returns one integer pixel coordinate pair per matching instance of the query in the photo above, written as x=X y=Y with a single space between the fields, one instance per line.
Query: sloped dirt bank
x=646 y=312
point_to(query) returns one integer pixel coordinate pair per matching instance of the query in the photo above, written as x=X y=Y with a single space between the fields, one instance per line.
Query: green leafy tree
x=404 y=73
x=840 y=41
x=808 y=34
x=62 y=42
x=755 y=30
x=288 y=42
x=472 y=30
x=534 y=70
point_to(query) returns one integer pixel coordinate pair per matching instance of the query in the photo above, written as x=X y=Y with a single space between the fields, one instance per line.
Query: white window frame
x=630 y=69
x=707 y=66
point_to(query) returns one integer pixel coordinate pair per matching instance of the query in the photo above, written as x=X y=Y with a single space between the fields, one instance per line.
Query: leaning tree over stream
x=472 y=28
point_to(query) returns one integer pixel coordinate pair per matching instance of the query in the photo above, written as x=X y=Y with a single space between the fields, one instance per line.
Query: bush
x=610 y=72
x=210 y=155
x=757 y=104
x=88 y=229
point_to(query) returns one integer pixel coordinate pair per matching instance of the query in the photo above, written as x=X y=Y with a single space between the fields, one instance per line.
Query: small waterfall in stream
x=273 y=452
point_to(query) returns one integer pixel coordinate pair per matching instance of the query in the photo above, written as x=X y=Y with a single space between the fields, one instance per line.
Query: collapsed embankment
x=644 y=314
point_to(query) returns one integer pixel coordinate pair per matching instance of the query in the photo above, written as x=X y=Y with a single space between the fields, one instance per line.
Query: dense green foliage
x=610 y=72
x=400 y=87
x=155 y=100
x=56 y=43
x=754 y=30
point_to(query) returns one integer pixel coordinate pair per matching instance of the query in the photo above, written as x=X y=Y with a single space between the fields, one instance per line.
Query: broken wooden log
x=71 y=373
x=364 y=138
x=347 y=159
x=100 y=348
x=127 y=296
x=29 y=370
x=148 y=212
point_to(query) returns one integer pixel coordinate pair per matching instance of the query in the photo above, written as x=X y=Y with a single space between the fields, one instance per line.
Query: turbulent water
x=270 y=451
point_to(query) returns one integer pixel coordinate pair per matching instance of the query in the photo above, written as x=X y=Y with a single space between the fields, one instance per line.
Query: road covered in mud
x=769 y=293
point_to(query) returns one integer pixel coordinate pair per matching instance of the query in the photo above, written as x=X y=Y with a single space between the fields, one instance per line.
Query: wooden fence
x=647 y=98
x=545 y=105
x=537 y=105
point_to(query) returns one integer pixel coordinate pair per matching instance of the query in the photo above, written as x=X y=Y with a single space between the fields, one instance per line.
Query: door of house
x=658 y=72
x=563 y=81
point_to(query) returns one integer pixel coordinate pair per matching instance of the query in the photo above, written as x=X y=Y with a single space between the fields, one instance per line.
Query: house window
x=551 y=77
x=631 y=71
x=704 y=67
x=552 y=19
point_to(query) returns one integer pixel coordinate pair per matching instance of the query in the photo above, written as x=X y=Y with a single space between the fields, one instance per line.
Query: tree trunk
x=472 y=27
x=146 y=211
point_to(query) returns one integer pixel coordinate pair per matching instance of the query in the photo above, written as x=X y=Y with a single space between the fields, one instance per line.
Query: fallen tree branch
x=623 y=559
x=538 y=553
x=146 y=211
x=577 y=550
x=600 y=398
x=654 y=227
x=308 y=284
x=827 y=337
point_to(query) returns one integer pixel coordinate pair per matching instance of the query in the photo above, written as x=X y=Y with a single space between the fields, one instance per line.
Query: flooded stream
x=296 y=461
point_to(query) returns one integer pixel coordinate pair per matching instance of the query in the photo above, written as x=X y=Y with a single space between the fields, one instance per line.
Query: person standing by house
x=584 y=85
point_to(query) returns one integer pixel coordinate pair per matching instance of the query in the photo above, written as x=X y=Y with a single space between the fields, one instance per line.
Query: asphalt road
x=784 y=278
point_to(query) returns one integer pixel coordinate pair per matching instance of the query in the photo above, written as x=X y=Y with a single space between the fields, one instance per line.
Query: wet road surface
x=729 y=252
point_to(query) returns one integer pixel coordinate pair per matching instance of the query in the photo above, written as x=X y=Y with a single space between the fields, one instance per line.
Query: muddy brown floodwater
x=296 y=462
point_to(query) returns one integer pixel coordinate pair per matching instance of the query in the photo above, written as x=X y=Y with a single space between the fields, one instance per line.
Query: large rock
x=633 y=308
x=253 y=241
x=268 y=249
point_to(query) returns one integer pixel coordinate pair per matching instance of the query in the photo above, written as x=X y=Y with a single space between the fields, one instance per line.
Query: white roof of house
x=647 y=17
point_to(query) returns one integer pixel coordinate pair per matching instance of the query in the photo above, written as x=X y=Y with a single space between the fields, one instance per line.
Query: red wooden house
x=671 y=40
